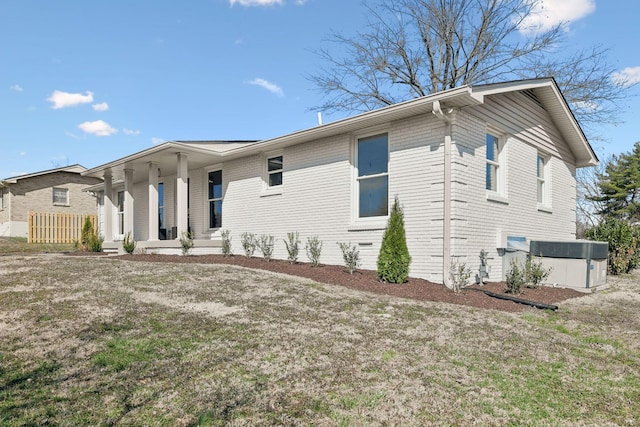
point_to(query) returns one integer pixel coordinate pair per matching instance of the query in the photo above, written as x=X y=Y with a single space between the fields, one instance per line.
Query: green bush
x=186 y=241
x=313 y=247
x=89 y=240
x=515 y=278
x=350 y=255
x=394 y=258
x=535 y=274
x=226 y=243
x=128 y=244
x=624 y=241
x=266 y=246
x=293 y=246
x=459 y=274
x=249 y=243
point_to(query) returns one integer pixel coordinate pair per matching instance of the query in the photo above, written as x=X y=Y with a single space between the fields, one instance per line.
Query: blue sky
x=89 y=82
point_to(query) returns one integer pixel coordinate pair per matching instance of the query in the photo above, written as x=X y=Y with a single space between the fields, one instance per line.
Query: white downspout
x=446 y=232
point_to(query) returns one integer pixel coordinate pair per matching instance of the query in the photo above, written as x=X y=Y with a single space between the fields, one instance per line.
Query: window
x=3 y=198
x=60 y=196
x=274 y=171
x=215 y=199
x=373 y=177
x=493 y=177
x=120 y=212
x=541 y=175
x=161 y=205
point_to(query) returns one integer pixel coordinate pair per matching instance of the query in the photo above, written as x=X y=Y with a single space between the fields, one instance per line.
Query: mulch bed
x=367 y=280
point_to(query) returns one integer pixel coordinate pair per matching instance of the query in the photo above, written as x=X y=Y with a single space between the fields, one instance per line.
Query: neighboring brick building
x=54 y=190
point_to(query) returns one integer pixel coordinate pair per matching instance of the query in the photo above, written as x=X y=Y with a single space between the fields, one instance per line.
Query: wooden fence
x=45 y=227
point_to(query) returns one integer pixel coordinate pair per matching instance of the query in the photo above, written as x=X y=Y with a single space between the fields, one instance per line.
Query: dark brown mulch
x=367 y=280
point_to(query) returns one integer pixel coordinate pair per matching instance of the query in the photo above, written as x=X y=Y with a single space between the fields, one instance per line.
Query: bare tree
x=588 y=207
x=415 y=47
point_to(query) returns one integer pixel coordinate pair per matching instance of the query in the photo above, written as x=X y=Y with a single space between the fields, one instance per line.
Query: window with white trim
x=60 y=196
x=274 y=171
x=494 y=180
x=121 y=212
x=542 y=179
x=161 y=205
x=372 y=181
x=215 y=198
x=3 y=198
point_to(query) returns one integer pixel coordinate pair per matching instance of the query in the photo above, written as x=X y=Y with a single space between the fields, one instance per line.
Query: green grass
x=109 y=342
x=19 y=245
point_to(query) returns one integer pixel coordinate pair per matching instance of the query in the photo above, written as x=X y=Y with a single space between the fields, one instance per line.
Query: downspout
x=446 y=223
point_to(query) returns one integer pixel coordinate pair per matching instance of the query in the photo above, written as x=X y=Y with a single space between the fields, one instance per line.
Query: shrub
x=624 y=241
x=515 y=278
x=313 y=247
x=128 y=244
x=293 y=246
x=226 y=243
x=95 y=243
x=459 y=274
x=186 y=241
x=249 y=243
x=394 y=258
x=535 y=274
x=350 y=255
x=89 y=240
x=86 y=234
x=266 y=246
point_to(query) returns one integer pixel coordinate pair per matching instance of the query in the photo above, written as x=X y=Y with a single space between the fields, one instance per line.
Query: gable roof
x=14 y=179
x=546 y=90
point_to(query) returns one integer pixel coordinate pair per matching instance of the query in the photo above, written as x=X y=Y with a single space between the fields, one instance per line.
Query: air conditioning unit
x=580 y=264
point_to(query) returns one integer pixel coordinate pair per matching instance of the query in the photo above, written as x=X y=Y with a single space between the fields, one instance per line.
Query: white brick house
x=471 y=166
x=53 y=190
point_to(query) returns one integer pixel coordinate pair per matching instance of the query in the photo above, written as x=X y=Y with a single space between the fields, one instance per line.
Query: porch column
x=181 y=194
x=153 y=201
x=128 y=201
x=108 y=207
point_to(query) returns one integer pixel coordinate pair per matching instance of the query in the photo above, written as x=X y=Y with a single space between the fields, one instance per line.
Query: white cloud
x=548 y=13
x=98 y=128
x=16 y=88
x=23 y=153
x=64 y=99
x=103 y=106
x=255 y=2
x=131 y=132
x=628 y=76
x=273 y=88
x=155 y=140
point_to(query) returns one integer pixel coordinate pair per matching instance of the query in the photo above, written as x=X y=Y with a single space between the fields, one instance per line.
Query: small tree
x=249 y=243
x=293 y=246
x=459 y=274
x=313 y=247
x=394 y=258
x=226 y=243
x=515 y=278
x=87 y=234
x=266 y=246
x=89 y=240
x=350 y=255
x=186 y=241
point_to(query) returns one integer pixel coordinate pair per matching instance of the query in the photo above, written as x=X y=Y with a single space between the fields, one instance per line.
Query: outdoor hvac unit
x=576 y=264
